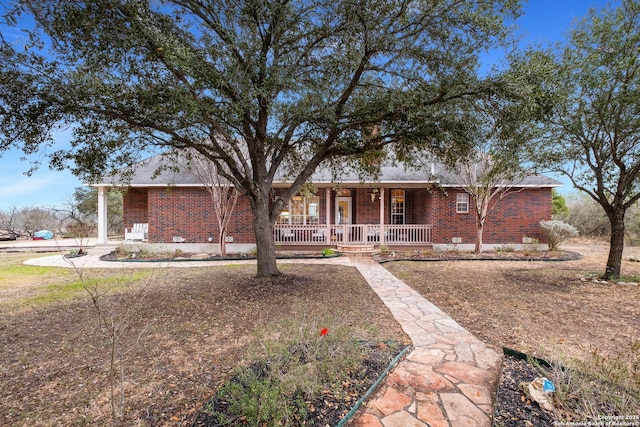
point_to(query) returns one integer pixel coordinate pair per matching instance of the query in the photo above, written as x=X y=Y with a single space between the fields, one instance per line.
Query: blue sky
x=543 y=22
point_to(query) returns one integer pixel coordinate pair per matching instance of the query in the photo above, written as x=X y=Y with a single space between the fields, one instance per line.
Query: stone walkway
x=450 y=377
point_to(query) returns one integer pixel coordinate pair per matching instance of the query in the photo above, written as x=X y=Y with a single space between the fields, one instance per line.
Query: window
x=397 y=206
x=462 y=203
x=301 y=210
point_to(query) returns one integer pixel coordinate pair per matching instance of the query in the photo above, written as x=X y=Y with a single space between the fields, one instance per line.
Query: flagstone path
x=450 y=377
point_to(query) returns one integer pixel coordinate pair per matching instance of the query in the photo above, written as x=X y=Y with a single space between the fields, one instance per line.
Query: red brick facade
x=516 y=216
x=186 y=214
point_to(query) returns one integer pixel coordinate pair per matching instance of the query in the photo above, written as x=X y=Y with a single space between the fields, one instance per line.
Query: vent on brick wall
x=456 y=240
x=178 y=239
x=228 y=239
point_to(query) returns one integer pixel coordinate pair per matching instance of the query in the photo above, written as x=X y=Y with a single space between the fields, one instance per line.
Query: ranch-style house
x=404 y=208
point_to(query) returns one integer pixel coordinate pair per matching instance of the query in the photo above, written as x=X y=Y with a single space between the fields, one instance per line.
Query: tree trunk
x=223 y=241
x=479 y=232
x=614 y=263
x=266 y=248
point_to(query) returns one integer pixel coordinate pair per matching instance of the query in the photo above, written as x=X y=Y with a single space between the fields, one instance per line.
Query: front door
x=343 y=217
x=343 y=210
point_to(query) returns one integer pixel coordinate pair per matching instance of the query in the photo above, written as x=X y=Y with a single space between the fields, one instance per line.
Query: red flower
x=324 y=331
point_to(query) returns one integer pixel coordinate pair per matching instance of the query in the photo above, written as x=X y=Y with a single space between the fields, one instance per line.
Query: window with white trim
x=462 y=203
x=301 y=210
x=397 y=206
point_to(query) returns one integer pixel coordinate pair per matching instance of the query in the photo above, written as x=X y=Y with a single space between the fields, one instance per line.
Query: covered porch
x=358 y=214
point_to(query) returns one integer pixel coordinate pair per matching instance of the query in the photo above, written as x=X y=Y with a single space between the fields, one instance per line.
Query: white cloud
x=50 y=189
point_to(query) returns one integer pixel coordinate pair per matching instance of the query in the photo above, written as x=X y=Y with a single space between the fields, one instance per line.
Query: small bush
x=327 y=252
x=506 y=248
x=557 y=232
x=178 y=253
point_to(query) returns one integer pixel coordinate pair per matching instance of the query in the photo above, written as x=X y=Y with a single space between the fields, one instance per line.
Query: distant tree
x=633 y=225
x=83 y=207
x=559 y=208
x=592 y=114
x=587 y=216
x=32 y=219
x=9 y=221
x=257 y=87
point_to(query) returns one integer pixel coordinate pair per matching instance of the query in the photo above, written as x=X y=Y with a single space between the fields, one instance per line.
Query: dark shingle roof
x=150 y=172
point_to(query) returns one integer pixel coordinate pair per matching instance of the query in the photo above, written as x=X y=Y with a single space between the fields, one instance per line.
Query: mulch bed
x=163 y=257
x=472 y=256
x=326 y=410
x=513 y=408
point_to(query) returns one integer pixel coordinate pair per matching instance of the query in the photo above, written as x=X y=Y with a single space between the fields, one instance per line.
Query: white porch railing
x=354 y=234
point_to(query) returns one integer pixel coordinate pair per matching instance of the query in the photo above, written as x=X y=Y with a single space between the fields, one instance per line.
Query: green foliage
x=85 y=202
x=586 y=97
x=260 y=89
x=327 y=251
x=258 y=400
x=559 y=208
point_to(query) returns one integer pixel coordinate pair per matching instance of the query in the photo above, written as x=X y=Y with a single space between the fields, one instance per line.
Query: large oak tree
x=257 y=87
x=590 y=99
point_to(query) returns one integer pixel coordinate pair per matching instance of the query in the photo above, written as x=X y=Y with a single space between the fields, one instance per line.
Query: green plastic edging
x=375 y=385
x=567 y=258
x=522 y=356
x=248 y=258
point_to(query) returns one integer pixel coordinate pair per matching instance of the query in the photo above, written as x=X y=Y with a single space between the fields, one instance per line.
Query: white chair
x=287 y=234
x=139 y=231
x=320 y=234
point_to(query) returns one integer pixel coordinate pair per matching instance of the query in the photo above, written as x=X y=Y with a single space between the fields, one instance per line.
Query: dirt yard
x=538 y=307
x=184 y=330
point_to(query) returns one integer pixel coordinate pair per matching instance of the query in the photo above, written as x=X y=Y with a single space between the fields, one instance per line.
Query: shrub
x=557 y=232
x=506 y=248
x=384 y=249
x=327 y=252
x=292 y=366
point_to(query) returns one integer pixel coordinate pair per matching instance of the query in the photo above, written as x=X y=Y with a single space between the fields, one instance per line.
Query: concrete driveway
x=54 y=245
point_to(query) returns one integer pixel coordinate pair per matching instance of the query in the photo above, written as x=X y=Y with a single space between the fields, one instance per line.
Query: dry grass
x=544 y=309
x=197 y=325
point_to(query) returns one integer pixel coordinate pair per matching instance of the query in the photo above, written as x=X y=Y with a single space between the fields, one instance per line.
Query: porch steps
x=357 y=250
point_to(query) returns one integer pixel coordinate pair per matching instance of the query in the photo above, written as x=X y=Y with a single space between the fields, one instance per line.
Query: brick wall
x=365 y=211
x=515 y=216
x=188 y=213
x=135 y=206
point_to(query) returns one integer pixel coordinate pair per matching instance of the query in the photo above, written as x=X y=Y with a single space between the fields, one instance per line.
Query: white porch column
x=102 y=216
x=327 y=234
x=382 y=237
